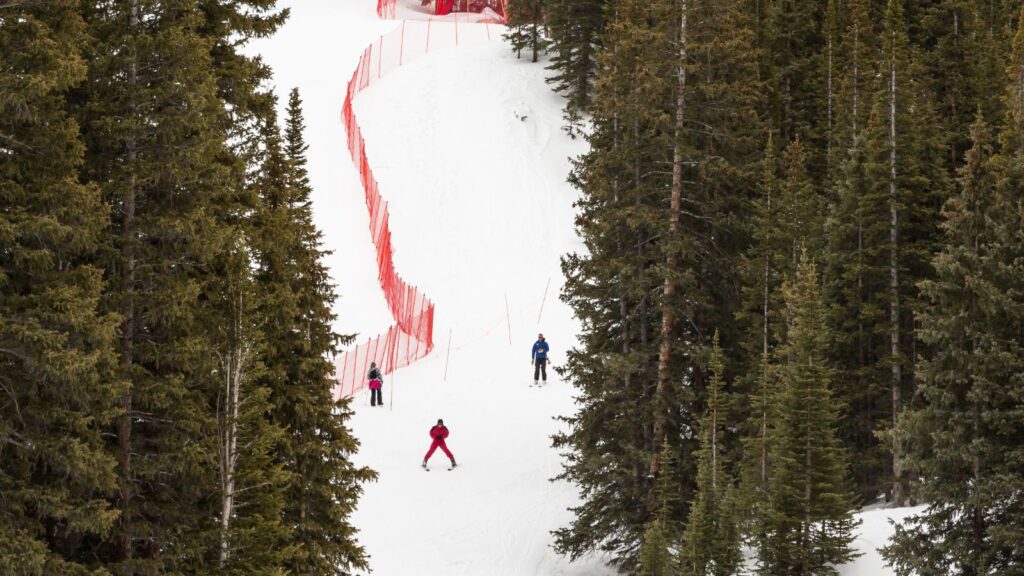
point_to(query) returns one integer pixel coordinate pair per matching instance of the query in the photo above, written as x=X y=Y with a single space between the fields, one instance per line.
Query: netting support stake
x=401 y=45
x=508 y=320
x=429 y=22
x=543 y=299
x=447 y=355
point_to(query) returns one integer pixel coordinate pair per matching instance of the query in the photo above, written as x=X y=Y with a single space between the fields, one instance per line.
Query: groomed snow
x=468 y=149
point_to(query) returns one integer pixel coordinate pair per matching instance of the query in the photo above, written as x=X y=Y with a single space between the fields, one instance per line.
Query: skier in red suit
x=438 y=433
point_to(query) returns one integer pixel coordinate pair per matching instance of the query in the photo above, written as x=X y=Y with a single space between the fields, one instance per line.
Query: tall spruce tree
x=57 y=389
x=608 y=446
x=711 y=543
x=888 y=195
x=967 y=433
x=809 y=523
x=697 y=114
x=852 y=315
x=298 y=339
x=760 y=313
x=253 y=537
x=965 y=54
x=657 y=555
x=153 y=127
x=525 y=21
x=795 y=64
x=575 y=28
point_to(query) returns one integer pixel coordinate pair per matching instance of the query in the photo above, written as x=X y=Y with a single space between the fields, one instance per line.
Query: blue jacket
x=540 y=350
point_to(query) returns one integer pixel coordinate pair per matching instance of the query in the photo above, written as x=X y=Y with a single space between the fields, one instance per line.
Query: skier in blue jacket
x=539 y=358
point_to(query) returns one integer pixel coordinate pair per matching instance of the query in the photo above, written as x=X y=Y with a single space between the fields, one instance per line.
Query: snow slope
x=467 y=147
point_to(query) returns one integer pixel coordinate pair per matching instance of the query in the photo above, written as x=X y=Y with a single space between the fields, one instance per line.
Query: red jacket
x=439 y=432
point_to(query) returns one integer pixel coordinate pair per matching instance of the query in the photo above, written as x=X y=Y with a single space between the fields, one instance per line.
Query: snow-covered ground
x=467 y=147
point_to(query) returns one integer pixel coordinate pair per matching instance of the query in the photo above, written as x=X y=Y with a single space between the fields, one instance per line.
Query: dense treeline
x=166 y=314
x=816 y=183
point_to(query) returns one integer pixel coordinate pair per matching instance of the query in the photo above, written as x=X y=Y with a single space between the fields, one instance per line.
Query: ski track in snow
x=468 y=148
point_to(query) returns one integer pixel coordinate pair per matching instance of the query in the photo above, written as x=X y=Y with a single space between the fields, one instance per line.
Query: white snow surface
x=468 y=149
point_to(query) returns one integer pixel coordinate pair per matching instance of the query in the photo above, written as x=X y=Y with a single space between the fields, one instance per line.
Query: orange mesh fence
x=411 y=337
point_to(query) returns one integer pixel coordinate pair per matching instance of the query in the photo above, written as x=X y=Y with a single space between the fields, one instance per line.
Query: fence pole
x=448 y=355
x=401 y=46
x=508 y=320
x=429 y=21
x=543 y=299
x=394 y=368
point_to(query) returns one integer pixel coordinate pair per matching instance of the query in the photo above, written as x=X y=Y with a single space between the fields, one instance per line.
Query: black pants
x=540 y=368
x=377 y=396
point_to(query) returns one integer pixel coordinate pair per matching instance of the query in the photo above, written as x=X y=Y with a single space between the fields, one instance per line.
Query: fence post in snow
x=401 y=46
x=508 y=320
x=447 y=355
x=429 y=21
x=543 y=299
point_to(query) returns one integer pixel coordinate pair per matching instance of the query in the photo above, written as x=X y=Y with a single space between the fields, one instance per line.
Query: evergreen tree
x=761 y=314
x=809 y=522
x=966 y=51
x=889 y=192
x=298 y=338
x=575 y=28
x=967 y=433
x=525 y=27
x=851 y=314
x=711 y=544
x=56 y=346
x=253 y=483
x=796 y=67
x=657 y=553
x=647 y=260
x=153 y=128
x=609 y=442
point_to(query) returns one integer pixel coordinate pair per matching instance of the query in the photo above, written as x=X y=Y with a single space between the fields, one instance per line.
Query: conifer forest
x=801 y=290
x=165 y=314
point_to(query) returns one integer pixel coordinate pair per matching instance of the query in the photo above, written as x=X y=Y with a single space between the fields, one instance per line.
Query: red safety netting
x=492 y=11
x=411 y=338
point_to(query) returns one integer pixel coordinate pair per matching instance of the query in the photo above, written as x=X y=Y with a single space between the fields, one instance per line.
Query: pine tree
x=888 y=195
x=968 y=48
x=966 y=434
x=152 y=123
x=575 y=28
x=638 y=244
x=525 y=27
x=609 y=456
x=711 y=543
x=657 y=553
x=298 y=338
x=253 y=484
x=809 y=523
x=760 y=313
x=796 y=68
x=847 y=286
x=56 y=345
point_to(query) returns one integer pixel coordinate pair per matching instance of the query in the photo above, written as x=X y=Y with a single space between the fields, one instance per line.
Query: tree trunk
x=671 y=260
x=898 y=492
x=233 y=365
